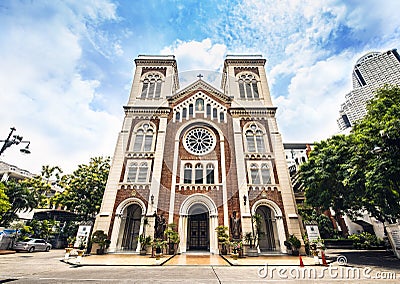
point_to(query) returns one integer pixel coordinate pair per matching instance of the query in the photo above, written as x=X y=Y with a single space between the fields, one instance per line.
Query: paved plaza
x=50 y=267
x=196 y=258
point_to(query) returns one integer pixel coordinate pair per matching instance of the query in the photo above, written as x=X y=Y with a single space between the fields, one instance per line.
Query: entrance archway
x=198 y=218
x=128 y=224
x=198 y=228
x=132 y=220
x=272 y=225
x=268 y=241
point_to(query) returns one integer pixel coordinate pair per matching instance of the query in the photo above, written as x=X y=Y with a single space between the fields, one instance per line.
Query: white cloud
x=309 y=112
x=196 y=57
x=44 y=93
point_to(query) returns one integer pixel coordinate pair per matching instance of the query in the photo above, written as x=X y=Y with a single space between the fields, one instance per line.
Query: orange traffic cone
x=323 y=259
x=301 y=261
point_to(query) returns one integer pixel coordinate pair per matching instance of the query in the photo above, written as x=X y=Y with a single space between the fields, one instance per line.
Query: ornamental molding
x=147 y=112
x=253 y=113
x=198 y=198
x=199 y=85
x=129 y=201
x=269 y=203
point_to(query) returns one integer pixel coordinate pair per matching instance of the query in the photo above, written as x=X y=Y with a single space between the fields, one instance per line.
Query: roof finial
x=200 y=76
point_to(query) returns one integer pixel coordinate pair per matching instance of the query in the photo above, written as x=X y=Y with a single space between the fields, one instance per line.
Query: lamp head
x=26 y=150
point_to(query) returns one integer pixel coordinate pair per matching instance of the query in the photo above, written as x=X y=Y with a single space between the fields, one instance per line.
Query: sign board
x=82 y=235
x=312 y=232
x=393 y=233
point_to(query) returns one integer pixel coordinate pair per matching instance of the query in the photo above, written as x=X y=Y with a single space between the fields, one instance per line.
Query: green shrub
x=365 y=240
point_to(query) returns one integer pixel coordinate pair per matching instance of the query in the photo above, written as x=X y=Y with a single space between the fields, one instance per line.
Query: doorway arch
x=198 y=228
x=131 y=227
x=272 y=225
x=268 y=241
x=128 y=224
x=198 y=210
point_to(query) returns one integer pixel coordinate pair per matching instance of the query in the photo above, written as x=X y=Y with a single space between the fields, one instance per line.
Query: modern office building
x=371 y=72
x=198 y=157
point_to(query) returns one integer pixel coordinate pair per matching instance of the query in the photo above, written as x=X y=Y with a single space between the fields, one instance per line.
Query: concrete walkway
x=188 y=260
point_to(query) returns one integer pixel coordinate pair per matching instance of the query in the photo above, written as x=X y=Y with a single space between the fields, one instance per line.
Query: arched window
x=208 y=110
x=144 y=137
x=151 y=86
x=132 y=172
x=198 y=174
x=265 y=174
x=210 y=174
x=138 y=173
x=190 y=110
x=187 y=174
x=255 y=174
x=254 y=139
x=248 y=87
x=260 y=174
x=199 y=105
x=143 y=171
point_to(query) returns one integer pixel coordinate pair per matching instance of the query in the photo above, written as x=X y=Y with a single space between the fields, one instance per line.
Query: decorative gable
x=199 y=100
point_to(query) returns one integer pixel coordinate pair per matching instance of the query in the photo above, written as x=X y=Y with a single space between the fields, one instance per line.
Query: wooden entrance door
x=198 y=232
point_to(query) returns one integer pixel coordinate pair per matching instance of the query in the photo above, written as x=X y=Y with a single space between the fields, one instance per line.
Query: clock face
x=199 y=141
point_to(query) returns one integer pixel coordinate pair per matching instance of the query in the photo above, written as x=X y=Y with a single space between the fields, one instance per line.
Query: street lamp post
x=14 y=140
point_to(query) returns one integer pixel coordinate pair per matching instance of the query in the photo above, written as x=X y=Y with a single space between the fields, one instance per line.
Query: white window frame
x=144 y=128
x=250 y=88
x=155 y=78
x=260 y=165
x=204 y=164
x=257 y=131
x=140 y=164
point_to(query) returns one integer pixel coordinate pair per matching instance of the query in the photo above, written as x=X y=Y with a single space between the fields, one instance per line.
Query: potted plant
x=250 y=241
x=145 y=242
x=71 y=240
x=172 y=237
x=223 y=239
x=100 y=238
x=236 y=249
x=293 y=244
x=158 y=245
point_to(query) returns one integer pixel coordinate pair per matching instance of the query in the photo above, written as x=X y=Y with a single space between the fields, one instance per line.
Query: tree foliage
x=348 y=174
x=20 y=197
x=84 y=188
x=41 y=185
x=4 y=201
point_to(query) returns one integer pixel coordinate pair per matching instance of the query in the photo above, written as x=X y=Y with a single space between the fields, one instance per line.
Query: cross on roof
x=200 y=76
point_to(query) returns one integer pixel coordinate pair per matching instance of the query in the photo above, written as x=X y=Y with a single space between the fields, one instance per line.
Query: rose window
x=199 y=141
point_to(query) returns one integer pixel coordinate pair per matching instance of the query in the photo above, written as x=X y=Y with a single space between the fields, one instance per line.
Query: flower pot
x=295 y=252
x=235 y=256
x=143 y=251
x=252 y=252
x=100 y=251
x=67 y=252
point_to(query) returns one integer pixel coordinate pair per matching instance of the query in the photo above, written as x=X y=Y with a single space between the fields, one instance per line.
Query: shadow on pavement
x=382 y=259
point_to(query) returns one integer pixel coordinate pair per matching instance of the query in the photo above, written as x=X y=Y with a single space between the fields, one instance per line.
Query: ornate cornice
x=200 y=85
x=253 y=113
x=147 y=112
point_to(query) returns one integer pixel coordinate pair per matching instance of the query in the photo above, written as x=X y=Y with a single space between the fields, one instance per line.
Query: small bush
x=365 y=240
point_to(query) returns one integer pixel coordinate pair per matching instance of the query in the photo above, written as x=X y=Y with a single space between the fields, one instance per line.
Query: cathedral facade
x=198 y=157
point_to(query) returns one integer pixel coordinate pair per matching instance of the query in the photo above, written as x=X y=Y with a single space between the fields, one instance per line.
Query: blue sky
x=66 y=66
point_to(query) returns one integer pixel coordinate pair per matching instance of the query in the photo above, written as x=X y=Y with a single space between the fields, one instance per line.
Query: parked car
x=32 y=245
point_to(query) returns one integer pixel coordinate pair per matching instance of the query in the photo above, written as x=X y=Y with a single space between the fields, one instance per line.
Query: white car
x=32 y=245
